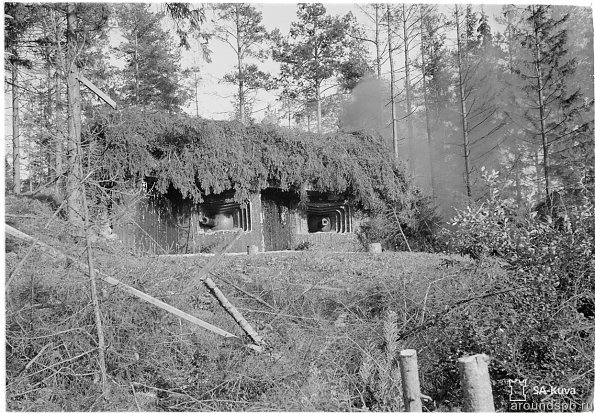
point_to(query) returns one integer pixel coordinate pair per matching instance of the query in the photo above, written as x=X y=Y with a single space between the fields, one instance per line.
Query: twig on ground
x=34 y=359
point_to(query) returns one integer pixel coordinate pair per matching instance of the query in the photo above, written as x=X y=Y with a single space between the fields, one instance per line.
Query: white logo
x=518 y=390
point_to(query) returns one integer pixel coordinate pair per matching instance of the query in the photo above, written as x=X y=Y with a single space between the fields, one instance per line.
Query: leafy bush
x=541 y=329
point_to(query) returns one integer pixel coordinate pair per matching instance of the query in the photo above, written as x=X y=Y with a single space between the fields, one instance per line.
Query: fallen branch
x=232 y=311
x=34 y=359
x=125 y=287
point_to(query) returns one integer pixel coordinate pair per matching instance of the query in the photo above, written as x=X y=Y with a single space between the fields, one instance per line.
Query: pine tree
x=239 y=25
x=477 y=83
x=152 y=75
x=315 y=52
x=553 y=108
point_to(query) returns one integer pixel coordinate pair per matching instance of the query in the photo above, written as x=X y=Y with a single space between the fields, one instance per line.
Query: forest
x=465 y=133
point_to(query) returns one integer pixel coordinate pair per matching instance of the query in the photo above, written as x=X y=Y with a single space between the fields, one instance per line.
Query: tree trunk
x=380 y=118
x=241 y=92
x=318 y=109
x=542 y=128
x=136 y=70
x=537 y=178
x=393 y=104
x=377 y=42
x=59 y=120
x=427 y=109
x=516 y=148
x=74 y=190
x=462 y=98
x=16 y=139
x=410 y=137
x=48 y=118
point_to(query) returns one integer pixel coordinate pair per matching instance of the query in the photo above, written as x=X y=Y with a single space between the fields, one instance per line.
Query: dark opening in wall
x=328 y=213
x=218 y=213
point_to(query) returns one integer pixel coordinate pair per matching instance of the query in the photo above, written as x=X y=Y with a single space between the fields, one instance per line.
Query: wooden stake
x=236 y=315
x=410 y=379
x=475 y=383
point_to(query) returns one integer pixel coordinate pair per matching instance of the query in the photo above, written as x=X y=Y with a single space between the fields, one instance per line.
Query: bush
x=541 y=328
x=401 y=227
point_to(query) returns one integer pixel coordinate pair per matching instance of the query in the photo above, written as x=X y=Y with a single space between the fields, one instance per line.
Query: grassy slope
x=332 y=325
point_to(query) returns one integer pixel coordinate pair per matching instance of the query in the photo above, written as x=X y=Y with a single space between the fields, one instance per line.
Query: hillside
x=333 y=324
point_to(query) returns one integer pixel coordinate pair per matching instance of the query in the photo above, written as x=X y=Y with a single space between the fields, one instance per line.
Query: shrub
x=400 y=227
x=541 y=328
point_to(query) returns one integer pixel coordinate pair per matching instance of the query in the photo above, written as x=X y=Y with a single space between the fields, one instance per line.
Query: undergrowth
x=333 y=323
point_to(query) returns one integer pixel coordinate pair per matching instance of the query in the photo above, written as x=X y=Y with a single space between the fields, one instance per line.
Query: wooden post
x=410 y=379
x=375 y=248
x=475 y=383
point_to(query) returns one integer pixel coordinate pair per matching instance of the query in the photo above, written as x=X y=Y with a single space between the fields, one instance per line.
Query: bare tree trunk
x=74 y=180
x=48 y=116
x=393 y=104
x=542 y=128
x=426 y=105
x=318 y=109
x=377 y=18
x=410 y=137
x=241 y=92
x=462 y=98
x=136 y=69
x=59 y=120
x=16 y=138
x=537 y=178
x=377 y=42
x=516 y=149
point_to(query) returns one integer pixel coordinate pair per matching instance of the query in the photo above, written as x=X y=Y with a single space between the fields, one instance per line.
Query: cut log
x=231 y=310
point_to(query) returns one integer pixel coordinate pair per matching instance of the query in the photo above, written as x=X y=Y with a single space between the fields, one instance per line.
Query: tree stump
x=410 y=380
x=475 y=383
